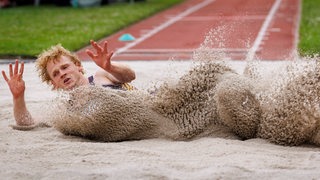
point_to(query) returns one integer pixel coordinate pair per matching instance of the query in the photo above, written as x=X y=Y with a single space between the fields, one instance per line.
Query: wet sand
x=45 y=153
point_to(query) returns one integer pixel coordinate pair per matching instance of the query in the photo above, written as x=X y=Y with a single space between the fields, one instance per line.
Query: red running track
x=243 y=29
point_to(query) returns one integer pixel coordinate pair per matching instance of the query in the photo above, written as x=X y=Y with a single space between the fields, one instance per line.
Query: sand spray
x=282 y=106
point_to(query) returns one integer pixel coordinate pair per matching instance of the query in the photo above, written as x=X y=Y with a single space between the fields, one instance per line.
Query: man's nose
x=63 y=74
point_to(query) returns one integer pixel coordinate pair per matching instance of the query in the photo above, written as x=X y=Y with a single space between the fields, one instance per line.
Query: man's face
x=65 y=74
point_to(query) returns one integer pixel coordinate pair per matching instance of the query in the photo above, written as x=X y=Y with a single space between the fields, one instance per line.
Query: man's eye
x=65 y=67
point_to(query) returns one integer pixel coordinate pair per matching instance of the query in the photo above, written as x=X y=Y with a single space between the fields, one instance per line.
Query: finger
x=10 y=70
x=111 y=54
x=105 y=47
x=96 y=46
x=16 y=67
x=92 y=43
x=5 y=76
x=21 y=68
x=90 y=53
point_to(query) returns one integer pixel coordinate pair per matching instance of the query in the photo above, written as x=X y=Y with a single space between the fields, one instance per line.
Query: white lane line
x=262 y=31
x=236 y=17
x=165 y=25
x=182 y=50
x=296 y=32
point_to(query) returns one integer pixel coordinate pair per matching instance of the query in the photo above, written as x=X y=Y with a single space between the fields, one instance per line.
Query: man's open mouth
x=66 y=81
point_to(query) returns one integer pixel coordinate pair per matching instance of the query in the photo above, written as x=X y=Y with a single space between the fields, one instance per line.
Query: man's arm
x=116 y=72
x=17 y=88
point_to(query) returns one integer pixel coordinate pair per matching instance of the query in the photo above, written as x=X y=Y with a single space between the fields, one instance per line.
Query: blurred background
x=75 y=3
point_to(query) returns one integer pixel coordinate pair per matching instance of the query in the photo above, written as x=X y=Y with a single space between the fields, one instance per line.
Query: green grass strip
x=28 y=30
x=309 y=43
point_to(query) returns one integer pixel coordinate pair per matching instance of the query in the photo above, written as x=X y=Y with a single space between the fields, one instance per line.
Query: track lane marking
x=165 y=25
x=262 y=31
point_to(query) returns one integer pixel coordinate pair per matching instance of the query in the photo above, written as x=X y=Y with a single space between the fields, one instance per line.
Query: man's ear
x=81 y=69
x=54 y=86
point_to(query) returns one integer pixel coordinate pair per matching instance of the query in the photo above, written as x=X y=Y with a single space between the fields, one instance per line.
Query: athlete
x=63 y=70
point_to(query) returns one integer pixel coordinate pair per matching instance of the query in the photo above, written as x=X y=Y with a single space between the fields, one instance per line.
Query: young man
x=61 y=69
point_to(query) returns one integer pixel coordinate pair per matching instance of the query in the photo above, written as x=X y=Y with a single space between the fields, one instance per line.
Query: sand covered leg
x=189 y=103
x=291 y=113
x=288 y=125
x=315 y=138
x=237 y=106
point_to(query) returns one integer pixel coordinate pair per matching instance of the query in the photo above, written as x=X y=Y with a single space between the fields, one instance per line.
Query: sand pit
x=45 y=153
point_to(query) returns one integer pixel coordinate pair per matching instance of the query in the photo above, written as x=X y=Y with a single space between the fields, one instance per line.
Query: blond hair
x=53 y=54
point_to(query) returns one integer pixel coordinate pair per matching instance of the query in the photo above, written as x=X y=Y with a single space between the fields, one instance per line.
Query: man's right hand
x=15 y=80
x=17 y=88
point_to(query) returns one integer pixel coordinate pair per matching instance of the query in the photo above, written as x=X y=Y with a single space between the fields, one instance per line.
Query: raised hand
x=15 y=81
x=115 y=72
x=102 y=58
